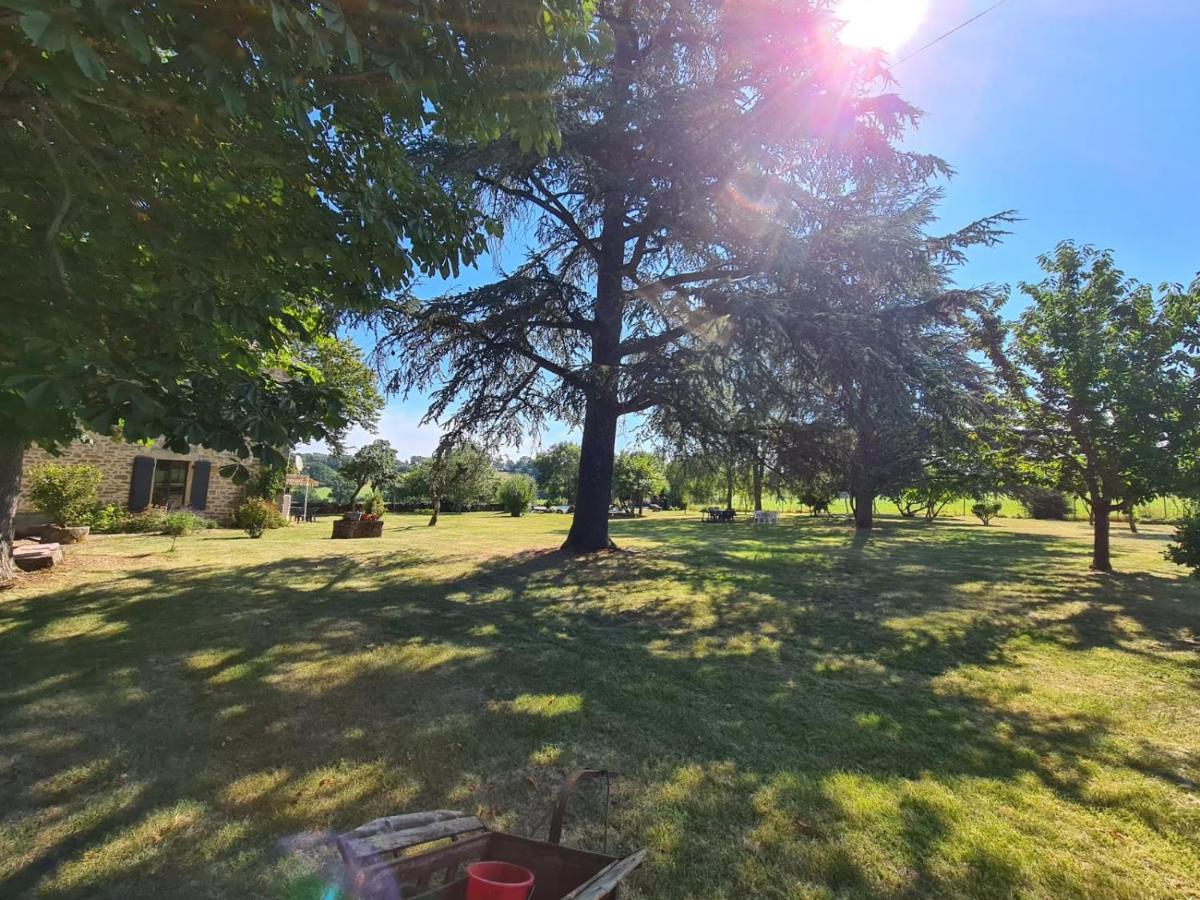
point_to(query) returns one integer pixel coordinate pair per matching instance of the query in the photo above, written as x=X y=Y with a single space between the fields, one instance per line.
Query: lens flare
x=886 y=24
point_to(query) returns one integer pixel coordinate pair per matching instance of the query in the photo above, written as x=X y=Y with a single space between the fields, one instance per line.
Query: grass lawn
x=935 y=710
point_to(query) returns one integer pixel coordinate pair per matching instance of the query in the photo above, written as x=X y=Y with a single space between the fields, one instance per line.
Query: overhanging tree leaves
x=698 y=141
x=194 y=191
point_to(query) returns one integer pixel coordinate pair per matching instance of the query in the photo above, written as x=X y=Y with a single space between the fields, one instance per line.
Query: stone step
x=32 y=557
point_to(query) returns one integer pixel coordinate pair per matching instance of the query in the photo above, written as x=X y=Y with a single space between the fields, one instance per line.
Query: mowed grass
x=934 y=710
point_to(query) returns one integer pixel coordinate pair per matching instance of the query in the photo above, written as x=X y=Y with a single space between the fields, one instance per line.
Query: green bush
x=114 y=519
x=109 y=519
x=179 y=523
x=1045 y=504
x=985 y=511
x=374 y=505
x=65 y=493
x=1186 y=549
x=516 y=494
x=257 y=516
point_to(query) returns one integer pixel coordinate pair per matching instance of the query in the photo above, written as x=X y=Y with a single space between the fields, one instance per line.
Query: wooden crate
x=385 y=860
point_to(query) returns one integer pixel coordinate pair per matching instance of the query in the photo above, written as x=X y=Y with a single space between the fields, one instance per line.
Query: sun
x=886 y=24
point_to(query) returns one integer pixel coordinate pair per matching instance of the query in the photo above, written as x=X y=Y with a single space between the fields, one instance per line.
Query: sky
x=1083 y=116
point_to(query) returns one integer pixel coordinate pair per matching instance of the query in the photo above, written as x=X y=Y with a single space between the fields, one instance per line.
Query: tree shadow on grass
x=163 y=730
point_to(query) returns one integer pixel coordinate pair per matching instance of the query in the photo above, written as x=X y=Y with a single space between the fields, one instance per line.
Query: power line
x=940 y=38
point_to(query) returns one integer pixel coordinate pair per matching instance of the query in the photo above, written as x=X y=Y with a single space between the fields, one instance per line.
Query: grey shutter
x=200 y=472
x=141 y=485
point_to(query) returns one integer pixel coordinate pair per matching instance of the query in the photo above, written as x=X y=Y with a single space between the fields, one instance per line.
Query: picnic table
x=715 y=514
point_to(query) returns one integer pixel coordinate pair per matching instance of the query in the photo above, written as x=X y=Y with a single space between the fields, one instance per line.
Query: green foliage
x=1185 y=550
x=201 y=191
x=115 y=519
x=268 y=482
x=374 y=464
x=463 y=479
x=817 y=500
x=256 y=516
x=341 y=365
x=325 y=468
x=516 y=494
x=178 y=524
x=65 y=493
x=557 y=472
x=985 y=510
x=374 y=504
x=1102 y=370
x=1042 y=503
x=637 y=476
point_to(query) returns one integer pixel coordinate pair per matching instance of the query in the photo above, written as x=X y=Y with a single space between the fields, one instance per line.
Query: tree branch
x=554 y=208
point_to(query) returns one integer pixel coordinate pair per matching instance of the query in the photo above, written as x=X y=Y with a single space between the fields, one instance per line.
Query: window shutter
x=142 y=483
x=200 y=471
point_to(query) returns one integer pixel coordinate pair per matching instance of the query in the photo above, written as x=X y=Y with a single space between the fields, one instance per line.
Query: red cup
x=498 y=881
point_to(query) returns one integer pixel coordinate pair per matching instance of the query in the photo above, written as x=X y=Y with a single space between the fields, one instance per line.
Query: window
x=170 y=483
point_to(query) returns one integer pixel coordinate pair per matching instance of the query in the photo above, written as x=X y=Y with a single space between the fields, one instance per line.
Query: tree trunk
x=589 y=528
x=758 y=485
x=729 y=486
x=12 y=454
x=864 y=508
x=1132 y=521
x=437 y=508
x=1101 y=561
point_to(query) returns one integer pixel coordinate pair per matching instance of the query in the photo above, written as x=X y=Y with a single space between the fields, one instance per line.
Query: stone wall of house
x=114 y=458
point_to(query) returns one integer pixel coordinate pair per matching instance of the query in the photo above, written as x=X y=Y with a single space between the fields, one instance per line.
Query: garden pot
x=70 y=534
x=352 y=516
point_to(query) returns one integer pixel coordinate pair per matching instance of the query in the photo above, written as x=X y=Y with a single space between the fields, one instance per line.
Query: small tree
x=557 y=471
x=637 y=475
x=65 y=493
x=374 y=464
x=177 y=524
x=985 y=510
x=1103 y=371
x=516 y=494
x=1186 y=549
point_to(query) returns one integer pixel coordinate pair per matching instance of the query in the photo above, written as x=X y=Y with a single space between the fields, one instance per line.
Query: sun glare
x=886 y=24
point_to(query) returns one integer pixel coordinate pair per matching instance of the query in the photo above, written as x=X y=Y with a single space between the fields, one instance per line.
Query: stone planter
x=345 y=528
x=70 y=534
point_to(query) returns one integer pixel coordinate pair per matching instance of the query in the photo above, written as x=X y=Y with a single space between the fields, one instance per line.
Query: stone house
x=138 y=477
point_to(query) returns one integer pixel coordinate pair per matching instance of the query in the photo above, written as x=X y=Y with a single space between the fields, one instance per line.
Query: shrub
x=179 y=523
x=109 y=519
x=114 y=519
x=985 y=511
x=1045 y=504
x=65 y=493
x=1186 y=549
x=257 y=516
x=516 y=494
x=374 y=506
x=816 y=501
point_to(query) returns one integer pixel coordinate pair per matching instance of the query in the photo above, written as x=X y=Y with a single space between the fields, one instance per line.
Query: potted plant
x=67 y=495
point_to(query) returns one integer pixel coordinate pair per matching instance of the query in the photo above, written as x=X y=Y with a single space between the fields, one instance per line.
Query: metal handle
x=565 y=793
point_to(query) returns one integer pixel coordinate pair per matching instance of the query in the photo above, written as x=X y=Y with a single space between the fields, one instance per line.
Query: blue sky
x=1082 y=115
